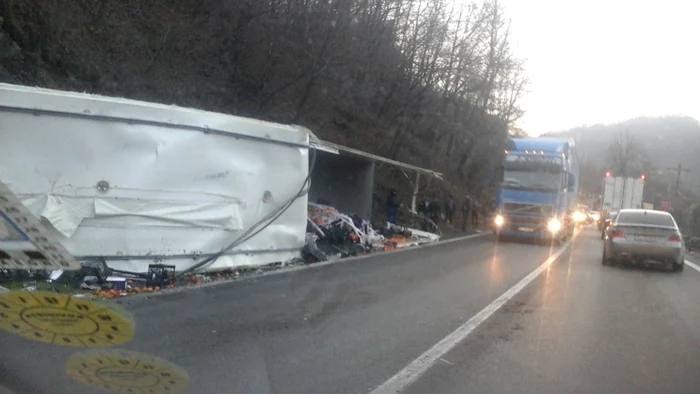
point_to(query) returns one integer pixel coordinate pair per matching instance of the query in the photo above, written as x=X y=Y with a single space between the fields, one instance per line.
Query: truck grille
x=521 y=208
x=515 y=220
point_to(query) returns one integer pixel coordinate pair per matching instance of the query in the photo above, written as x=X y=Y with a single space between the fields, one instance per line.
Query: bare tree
x=625 y=154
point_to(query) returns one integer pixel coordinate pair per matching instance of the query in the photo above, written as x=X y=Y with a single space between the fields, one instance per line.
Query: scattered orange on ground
x=399 y=239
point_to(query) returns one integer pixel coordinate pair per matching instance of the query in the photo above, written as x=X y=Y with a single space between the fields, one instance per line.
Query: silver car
x=643 y=235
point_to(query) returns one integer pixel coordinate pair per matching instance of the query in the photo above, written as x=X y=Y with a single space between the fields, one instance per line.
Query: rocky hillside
x=430 y=83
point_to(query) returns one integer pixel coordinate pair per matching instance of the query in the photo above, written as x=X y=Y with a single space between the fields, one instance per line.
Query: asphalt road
x=351 y=326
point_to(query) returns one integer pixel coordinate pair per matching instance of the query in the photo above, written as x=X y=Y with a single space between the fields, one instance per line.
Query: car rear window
x=652 y=219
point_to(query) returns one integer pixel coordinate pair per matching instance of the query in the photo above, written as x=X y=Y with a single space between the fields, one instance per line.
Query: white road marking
x=692 y=265
x=419 y=366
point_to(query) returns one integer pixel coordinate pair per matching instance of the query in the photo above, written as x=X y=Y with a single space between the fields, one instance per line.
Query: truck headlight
x=498 y=220
x=579 y=216
x=554 y=225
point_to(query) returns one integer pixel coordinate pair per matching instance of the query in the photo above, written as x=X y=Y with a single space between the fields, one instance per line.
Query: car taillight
x=674 y=238
x=617 y=234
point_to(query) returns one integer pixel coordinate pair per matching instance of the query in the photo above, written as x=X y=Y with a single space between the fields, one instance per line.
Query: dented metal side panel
x=139 y=191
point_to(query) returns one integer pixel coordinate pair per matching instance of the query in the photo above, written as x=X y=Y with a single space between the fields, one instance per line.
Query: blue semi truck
x=539 y=189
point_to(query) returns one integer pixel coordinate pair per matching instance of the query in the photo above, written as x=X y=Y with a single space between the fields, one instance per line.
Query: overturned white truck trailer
x=136 y=183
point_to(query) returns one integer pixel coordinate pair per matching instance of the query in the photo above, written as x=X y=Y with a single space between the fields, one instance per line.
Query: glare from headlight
x=579 y=216
x=499 y=220
x=554 y=225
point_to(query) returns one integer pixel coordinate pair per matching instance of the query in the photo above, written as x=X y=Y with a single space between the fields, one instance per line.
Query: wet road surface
x=578 y=327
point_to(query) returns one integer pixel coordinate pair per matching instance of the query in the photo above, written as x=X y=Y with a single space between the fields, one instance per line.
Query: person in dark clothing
x=423 y=207
x=422 y=211
x=392 y=206
x=449 y=209
x=434 y=210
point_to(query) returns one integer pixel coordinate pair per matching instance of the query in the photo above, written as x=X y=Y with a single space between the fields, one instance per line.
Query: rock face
x=8 y=48
x=10 y=55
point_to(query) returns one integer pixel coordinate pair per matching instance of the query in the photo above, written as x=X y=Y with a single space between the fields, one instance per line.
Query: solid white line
x=692 y=265
x=419 y=366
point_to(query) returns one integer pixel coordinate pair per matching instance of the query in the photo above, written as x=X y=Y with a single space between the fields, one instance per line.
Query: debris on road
x=330 y=235
x=402 y=237
x=160 y=275
x=342 y=231
x=331 y=232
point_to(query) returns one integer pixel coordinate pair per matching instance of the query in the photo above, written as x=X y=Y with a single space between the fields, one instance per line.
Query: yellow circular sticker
x=126 y=371
x=62 y=320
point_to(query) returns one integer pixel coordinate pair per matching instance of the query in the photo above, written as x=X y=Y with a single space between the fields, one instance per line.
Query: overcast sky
x=601 y=61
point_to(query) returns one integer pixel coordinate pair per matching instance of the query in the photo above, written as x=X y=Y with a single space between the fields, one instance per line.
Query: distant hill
x=655 y=144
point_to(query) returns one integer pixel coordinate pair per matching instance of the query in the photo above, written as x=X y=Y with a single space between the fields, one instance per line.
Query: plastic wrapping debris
x=91 y=280
x=329 y=220
x=398 y=237
x=55 y=275
x=331 y=233
x=311 y=250
x=316 y=228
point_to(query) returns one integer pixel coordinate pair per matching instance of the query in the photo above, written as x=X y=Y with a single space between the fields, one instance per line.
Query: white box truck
x=622 y=193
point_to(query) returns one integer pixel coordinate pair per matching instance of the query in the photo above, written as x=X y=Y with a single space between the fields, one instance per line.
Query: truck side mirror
x=571 y=187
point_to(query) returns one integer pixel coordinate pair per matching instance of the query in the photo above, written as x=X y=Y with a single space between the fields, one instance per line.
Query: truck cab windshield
x=530 y=180
x=533 y=172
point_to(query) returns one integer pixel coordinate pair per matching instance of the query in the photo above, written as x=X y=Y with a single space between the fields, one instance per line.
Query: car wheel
x=677 y=267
